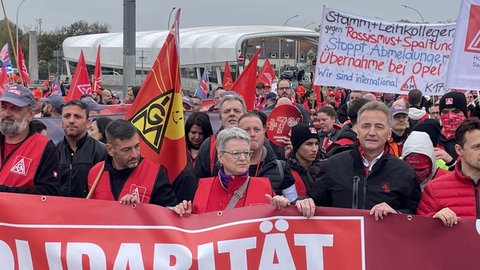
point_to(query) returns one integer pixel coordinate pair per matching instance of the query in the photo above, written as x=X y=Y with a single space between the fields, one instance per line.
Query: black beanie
x=454 y=100
x=300 y=133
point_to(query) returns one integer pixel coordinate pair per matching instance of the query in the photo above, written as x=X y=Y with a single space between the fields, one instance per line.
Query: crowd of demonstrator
x=389 y=154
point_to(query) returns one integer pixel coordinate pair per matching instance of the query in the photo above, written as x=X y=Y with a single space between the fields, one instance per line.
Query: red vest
x=19 y=169
x=141 y=180
x=212 y=196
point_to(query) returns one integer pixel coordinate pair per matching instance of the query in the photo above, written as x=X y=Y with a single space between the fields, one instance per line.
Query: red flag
x=245 y=83
x=97 y=74
x=267 y=74
x=227 y=77
x=22 y=66
x=80 y=83
x=3 y=79
x=157 y=112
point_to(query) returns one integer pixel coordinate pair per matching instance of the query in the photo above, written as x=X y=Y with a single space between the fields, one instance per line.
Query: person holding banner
x=232 y=187
x=127 y=177
x=304 y=157
x=455 y=195
x=366 y=177
x=29 y=160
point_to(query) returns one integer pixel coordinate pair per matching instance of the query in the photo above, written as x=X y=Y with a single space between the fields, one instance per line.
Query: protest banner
x=374 y=55
x=48 y=232
x=464 y=64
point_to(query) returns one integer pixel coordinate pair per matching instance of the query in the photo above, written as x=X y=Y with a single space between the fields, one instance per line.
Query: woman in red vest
x=232 y=187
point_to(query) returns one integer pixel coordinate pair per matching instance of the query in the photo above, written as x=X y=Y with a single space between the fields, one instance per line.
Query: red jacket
x=211 y=195
x=455 y=191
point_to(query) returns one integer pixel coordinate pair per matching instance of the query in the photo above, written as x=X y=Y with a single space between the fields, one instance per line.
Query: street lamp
x=309 y=24
x=16 y=27
x=280 y=45
x=418 y=12
x=285 y=23
x=169 y=17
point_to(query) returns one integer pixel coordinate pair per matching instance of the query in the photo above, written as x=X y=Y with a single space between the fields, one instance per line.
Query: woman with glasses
x=232 y=187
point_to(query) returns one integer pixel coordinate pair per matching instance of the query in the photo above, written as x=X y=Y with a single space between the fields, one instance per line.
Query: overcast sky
x=153 y=14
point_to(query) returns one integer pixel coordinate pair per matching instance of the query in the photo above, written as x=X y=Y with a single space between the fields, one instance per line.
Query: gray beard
x=14 y=128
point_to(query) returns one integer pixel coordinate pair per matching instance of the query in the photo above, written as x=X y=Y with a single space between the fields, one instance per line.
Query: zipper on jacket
x=355 y=179
x=365 y=192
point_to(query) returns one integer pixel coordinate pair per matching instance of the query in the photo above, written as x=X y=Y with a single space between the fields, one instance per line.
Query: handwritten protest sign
x=367 y=54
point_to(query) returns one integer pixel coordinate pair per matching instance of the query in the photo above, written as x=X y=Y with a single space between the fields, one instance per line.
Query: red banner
x=43 y=232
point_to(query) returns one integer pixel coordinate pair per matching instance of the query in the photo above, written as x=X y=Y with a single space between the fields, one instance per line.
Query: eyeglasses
x=237 y=154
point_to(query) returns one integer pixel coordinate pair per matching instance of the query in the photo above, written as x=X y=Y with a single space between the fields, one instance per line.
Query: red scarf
x=450 y=123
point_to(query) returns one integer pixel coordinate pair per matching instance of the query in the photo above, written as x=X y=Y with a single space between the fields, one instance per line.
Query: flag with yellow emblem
x=157 y=111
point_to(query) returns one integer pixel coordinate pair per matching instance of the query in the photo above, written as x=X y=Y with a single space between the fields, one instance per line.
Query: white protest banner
x=464 y=66
x=374 y=55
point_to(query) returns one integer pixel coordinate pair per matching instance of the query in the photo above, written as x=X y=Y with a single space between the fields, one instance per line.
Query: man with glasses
x=284 y=89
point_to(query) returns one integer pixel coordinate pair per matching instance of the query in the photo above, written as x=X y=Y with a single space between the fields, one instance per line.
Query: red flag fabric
x=22 y=66
x=80 y=83
x=267 y=74
x=157 y=112
x=3 y=79
x=97 y=74
x=227 y=77
x=245 y=83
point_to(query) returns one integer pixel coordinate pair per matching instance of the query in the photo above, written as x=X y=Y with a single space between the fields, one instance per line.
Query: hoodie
x=417 y=115
x=419 y=142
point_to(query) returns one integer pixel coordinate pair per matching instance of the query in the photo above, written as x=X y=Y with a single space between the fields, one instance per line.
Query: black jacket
x=74 y=166
x=308 y=177
x=342 y=113
x=344 y=140
x=344 y=183
x=449 y=146
x=202 y=163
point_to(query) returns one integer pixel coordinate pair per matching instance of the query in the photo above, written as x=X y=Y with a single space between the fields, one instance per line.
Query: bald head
x=283 y=101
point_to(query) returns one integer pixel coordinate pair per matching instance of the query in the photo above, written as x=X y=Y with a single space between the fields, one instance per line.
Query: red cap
x=37 y=93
